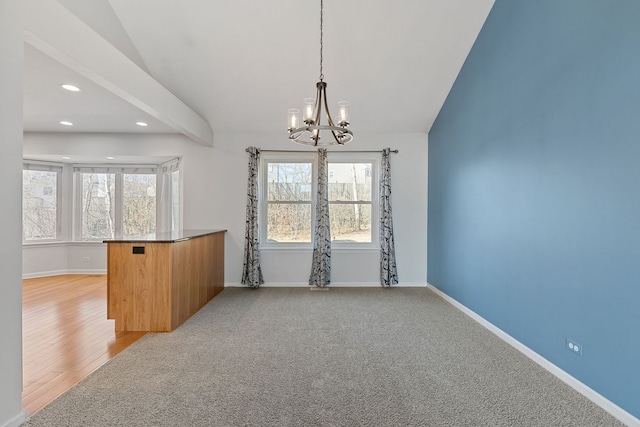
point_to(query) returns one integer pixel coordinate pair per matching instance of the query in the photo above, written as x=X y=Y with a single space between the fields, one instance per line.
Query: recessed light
x=66 y=123
x=110 y=158
x=142 y=124
x=72 y=88
x=66 y=157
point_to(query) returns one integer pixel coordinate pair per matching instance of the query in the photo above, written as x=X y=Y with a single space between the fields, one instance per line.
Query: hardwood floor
x=66 y=335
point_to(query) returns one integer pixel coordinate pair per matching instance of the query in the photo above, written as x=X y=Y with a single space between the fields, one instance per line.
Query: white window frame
x=263 y=172
x=164 y=207
x=312 y=157
x=47 y=167
x=373 y=159
x=118 y=170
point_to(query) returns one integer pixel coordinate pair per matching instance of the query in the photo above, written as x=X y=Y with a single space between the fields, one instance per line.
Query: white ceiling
x=93 y=109
x=241 y=64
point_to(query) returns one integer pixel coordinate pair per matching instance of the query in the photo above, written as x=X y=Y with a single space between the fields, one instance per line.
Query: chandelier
x=310 y=131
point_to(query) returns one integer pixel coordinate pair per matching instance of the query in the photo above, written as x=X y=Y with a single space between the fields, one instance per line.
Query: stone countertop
x=167 y=237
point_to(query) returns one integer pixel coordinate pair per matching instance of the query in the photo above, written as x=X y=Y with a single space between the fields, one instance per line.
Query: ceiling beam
x=53 y=29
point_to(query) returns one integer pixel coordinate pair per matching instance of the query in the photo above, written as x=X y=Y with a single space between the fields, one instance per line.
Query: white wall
x=196 y=176
x=11 y=52
x=286 y=267
x=53 y=259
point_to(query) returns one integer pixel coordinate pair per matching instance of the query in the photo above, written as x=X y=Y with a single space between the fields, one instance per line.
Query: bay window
x=97 y=201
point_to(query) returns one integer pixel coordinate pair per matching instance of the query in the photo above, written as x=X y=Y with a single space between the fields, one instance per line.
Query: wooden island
x=155 y=284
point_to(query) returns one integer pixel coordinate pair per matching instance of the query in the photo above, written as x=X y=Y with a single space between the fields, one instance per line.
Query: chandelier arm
x=318 y=107
x=329 y=119
x=326 y=107
x=336 y=137
x=341 y=135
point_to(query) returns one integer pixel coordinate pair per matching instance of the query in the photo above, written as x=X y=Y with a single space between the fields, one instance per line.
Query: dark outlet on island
x=138 y=250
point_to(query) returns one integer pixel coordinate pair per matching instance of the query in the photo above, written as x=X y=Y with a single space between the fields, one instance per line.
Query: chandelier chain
x=309 y=130
x=321 y=37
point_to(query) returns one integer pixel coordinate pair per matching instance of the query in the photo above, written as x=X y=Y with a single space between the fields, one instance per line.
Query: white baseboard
x=18 y=420
x=88 y=271
x=411 y=285
x=332 y=285
x=62 y=272
x=44 y=274
x=616 y=411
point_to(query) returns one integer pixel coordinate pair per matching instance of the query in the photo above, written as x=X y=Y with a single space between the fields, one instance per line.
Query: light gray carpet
x=345 y=357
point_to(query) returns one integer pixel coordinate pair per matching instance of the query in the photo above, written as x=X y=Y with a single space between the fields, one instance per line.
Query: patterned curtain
x=251 y=271
x=388 y=271
x=321 y=265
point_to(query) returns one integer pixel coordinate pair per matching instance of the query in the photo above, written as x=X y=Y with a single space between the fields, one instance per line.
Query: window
x=107 y=201
x=288 y=199
x=287 y=192
x=115 y=202
x=41 y=201
x=350 y=201
x=98 y=206
x=169 y=206
x=138 y=204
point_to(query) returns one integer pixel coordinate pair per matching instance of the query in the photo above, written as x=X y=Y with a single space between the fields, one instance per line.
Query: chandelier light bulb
x=343 y=111
x=294 y=119
x=309 y=104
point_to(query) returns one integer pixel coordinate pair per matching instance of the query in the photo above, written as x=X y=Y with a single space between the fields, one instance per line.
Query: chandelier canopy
x=311 y=129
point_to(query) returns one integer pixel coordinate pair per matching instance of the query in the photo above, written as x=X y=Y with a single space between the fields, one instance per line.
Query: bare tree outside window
x=289 y=202
x=39 y=204
x=98 y=206
x=139 y=205
x=110 y=202
x=350 y=201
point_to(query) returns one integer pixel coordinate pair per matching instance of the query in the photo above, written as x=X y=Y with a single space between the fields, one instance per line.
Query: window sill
x=44 y=243
x=334 y=248
x=61 y=243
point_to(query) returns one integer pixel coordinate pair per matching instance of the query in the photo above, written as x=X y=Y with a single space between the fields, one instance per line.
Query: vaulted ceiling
x=241 y=64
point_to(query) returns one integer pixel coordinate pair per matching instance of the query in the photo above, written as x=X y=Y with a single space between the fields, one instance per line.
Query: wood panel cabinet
x=156 y=284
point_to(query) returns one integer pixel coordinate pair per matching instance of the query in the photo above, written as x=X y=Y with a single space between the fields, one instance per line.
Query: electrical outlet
x=86 y=259
x=574 y=347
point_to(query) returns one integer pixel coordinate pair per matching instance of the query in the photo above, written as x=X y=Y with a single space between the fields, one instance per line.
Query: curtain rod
x=307 y=151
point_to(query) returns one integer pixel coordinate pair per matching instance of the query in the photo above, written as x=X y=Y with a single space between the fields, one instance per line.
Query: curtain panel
x=321 y=263
x=251 y=271
x=388 y=270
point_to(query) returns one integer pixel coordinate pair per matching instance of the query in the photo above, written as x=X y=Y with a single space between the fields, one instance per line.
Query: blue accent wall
x=534 y=186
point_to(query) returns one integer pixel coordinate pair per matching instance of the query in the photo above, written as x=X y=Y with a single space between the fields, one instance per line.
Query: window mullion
x=77 y=206
x=118 y=206
x=289 y=202
x=58 y=204
x=314 y=194
x=353 y=202
x=163 y=200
